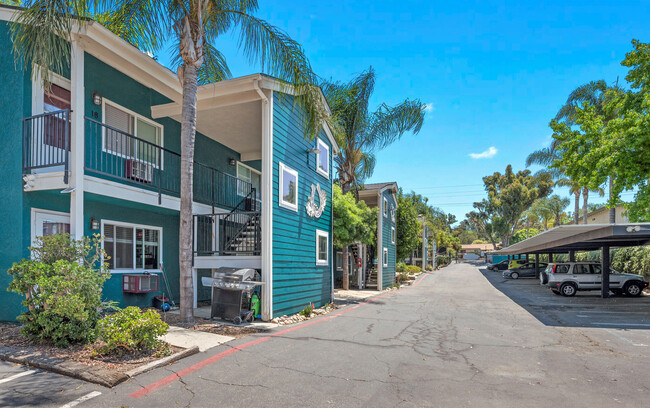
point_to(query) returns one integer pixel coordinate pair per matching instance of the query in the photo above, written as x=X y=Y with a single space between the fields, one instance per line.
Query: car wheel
x=556 y=292
x=568 y=289
x=514 y=275
x=633 y=289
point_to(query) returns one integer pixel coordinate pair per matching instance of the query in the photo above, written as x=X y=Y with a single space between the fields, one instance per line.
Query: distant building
x=601 y=216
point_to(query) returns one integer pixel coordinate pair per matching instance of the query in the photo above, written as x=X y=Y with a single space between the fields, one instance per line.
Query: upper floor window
x=392 y=235
x=132 y=247
x=249 y=175
x=385 y=207
x=322 y=247
x=323 y=159
x=126 y=124
x=288 y=194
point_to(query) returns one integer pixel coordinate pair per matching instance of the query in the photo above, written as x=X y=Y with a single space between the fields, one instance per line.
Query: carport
x=571 y=238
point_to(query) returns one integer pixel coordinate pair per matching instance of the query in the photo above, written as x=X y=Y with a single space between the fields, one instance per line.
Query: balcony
x=118 y=156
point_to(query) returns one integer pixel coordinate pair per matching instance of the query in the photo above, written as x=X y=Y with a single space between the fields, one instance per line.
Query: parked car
x=523 y=271
x=566 y=278
x=499 y=266
x=513 y=263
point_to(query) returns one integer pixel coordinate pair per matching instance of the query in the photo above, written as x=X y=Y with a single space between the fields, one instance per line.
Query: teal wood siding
x=388 y=272
x=297 y=280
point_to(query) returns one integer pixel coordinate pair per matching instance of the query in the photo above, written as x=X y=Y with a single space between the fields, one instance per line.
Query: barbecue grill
x=232 y=289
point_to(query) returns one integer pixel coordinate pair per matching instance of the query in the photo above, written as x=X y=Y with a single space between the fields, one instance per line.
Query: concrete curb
x=103 y=377
x=163 y=361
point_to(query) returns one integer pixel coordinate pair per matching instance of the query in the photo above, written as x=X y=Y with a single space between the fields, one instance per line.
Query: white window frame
x=136 y=116
x=281 y=202
x=322 y=146
x=259 y=173
x=36 y=217
x=385 y=257
x=392 y=235
x=38 y=91
x=135 y=226
x=319 y=234
x=385 y=207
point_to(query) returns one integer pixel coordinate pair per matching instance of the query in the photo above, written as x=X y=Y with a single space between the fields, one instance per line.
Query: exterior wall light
x=232 y=161
x=94 y=223
x=97 y=99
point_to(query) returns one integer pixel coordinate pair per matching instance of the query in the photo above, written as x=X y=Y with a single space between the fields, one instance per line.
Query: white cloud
x=429 y=107
x=489 y=153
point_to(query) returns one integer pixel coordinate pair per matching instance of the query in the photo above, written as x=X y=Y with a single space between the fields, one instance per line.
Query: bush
x=130 y=330
x=400 y=267
x=401 y=277
x=429 y=267
x=632 y=260
x=307 y=310
x=412 y=269
x=62 y=285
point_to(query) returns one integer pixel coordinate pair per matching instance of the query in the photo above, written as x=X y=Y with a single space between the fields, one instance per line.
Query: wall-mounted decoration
x=314 y=210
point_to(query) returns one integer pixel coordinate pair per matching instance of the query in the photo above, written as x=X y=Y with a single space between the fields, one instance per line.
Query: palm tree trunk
x=585 y=198
x=576 y=209
x=188 y=135
x=612 y=211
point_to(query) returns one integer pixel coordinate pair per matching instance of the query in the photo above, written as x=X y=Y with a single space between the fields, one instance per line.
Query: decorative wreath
x=314 y=210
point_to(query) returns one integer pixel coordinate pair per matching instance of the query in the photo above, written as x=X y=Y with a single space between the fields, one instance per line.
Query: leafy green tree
x=354 y=222
x=523 y=234
x=509 y=195
x=44 y=30
x=360 y=132
x=407 y=227
x=553 y=206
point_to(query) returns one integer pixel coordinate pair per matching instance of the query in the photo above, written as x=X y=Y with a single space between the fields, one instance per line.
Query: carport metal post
x=537 y=265
x=572 y=256
x=550 y=258
x=526 y=257
x=604 y=259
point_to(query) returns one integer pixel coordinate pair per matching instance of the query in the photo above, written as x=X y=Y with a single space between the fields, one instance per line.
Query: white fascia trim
x=47 y=181
x=125 y=192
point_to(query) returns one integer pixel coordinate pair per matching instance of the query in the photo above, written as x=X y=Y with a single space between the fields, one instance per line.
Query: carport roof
x=567 y=238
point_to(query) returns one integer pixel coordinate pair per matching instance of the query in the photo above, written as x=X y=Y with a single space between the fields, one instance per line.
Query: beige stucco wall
x=602 y=217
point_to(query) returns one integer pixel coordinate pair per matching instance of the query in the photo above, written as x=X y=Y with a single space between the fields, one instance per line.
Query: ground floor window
x=132 y=247
x=385 y=257
x=322 y=250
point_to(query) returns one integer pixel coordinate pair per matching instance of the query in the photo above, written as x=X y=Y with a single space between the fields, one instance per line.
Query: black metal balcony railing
x=116 y=154
x=235 y=233
x=46 y=142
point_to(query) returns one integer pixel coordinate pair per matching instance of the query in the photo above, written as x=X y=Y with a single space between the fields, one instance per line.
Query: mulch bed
x=208 y=326
x=10 y=336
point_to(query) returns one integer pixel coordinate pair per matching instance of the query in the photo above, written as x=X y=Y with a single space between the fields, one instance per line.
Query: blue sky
x=493 y=72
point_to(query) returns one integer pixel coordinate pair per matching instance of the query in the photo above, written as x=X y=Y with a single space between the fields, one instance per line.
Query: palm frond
x=213 y=69
x=281 y=57
x=143 y=23
x=544 y=157
x=587 y=93
x=390 y=123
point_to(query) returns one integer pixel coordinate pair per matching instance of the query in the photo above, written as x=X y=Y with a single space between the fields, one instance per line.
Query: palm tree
x=360 y=133
x=542 y=211
x=596 y=94
x=44 y=30
x=546 y=157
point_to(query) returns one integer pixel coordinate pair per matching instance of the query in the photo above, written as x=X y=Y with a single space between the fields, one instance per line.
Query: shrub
x=411 y=269
x=402 y=277
x=429 y=267
x=62 y=285
x=307 y=310
x=130 y=330
x=632 y=260
x=400 y=267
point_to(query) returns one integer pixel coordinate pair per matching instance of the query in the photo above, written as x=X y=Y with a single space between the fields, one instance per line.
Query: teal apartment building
x=379 y=261
x=97 y=152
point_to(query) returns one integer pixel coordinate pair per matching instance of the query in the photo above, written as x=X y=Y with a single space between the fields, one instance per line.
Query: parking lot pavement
x=22 y=386
x=586 y=309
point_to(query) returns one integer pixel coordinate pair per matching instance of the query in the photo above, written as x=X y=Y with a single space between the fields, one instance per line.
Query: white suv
x=566 y=278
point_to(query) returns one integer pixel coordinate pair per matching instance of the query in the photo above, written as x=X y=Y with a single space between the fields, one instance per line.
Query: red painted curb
x=195 y=367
